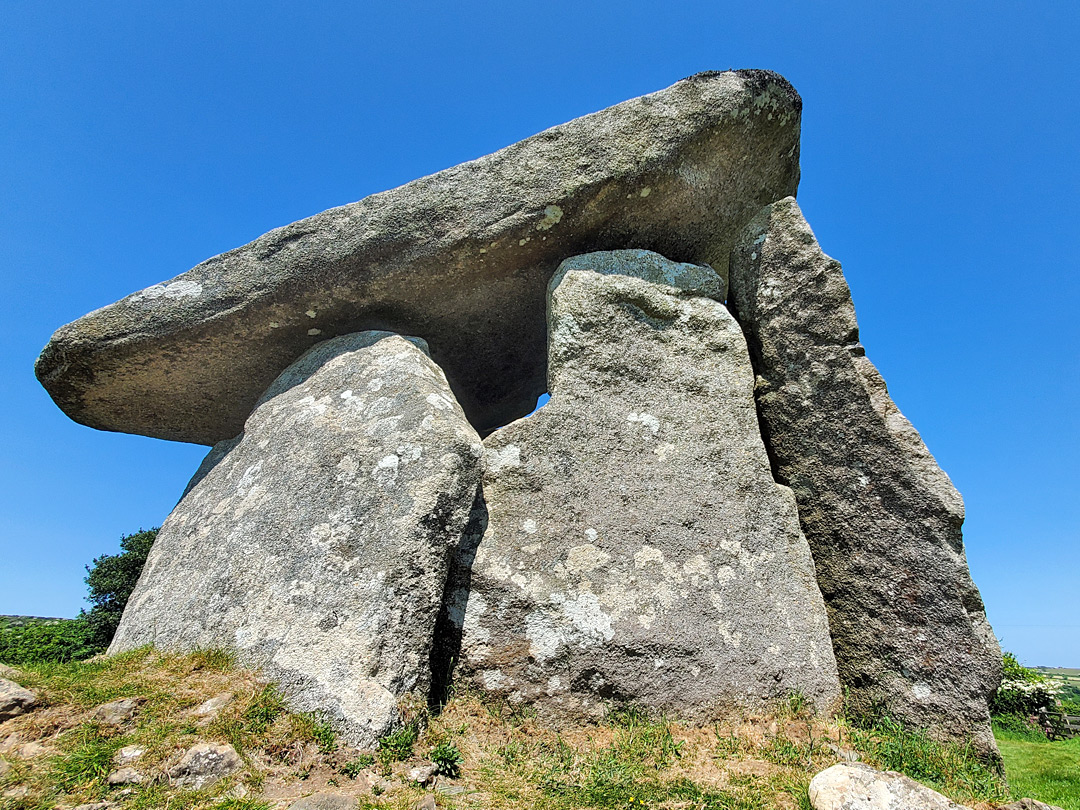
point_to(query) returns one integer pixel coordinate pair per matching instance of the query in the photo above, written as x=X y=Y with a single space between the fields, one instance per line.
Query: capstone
x=461 y=258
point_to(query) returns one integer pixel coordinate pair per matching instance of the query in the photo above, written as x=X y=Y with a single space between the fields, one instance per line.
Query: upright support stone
x=883 y=520
x=316 y=542
x=637 y=549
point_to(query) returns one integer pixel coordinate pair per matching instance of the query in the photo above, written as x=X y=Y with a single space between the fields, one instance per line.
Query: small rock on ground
x=860 y=787
x=422 y=774
x=427 y=803
x=1030 y=804
x=205 y=764
x=125 y=776
x=116 y=712
x=128 y=754
x=30 y=750
x=324 y=801
x=95 y=806
x=14 y=700
x=212 y=707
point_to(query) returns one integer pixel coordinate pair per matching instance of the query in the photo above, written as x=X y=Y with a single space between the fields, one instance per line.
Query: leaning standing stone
x=637 y=549
x=883 y=520
x=316 y=542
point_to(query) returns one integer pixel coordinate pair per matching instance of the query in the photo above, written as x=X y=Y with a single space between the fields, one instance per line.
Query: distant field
x=1068 y=679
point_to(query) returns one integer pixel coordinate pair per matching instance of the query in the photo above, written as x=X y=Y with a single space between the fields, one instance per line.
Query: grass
x=1041 y=769
x=951 y=769
x=502 y=755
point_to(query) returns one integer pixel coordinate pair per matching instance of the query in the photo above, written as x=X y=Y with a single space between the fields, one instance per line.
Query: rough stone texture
x=14 y=700
x=461 y=258
x=324 y=801
x=860 y=787
x=117 y=712
x=210 y=709
x=125 y=776
x=128 y=754
x=1030 y=804
x=315 y=544
x=204 y=764
x=637 y=548
x=883 y=520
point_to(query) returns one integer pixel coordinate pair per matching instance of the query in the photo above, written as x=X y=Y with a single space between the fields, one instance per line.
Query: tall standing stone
x=637 y=549
x=883 y=520
x=316 y=542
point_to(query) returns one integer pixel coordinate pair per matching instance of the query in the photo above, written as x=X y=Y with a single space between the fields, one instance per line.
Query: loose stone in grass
x=212 y=708
x=117 y=712
x=125 y=776
x=14 y=700
x=860 y=787
x=324 y=801
x=128 y=754
x=205 y=764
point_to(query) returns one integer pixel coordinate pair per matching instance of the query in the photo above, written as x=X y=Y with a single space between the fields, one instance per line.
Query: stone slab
x=461 y=258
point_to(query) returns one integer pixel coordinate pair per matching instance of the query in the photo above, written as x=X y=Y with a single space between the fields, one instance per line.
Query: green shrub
x=265 y=707
x=1024 y=692
x=947 y=767
x=398 y=745
x=111 y=578
x=354 y=768
x=61 y=640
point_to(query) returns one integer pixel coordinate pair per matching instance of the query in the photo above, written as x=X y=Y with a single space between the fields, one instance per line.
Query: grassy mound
x=485 y=755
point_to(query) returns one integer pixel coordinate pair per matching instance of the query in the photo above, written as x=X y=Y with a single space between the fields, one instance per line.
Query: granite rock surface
x=316 y=542
x=883 y=520
x=860 y=787
x=461 y=258
x=633 y=546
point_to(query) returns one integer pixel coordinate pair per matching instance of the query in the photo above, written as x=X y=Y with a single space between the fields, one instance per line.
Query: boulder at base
x=883 y=520
x=637 y=549
x=859 y=787
x=316 y=542
x=461 y=258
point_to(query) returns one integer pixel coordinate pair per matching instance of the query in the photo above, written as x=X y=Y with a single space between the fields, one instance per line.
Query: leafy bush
x=60 y=640
x=398 y=745
x=355 y=767
x=111 y=578
x=1023 y=692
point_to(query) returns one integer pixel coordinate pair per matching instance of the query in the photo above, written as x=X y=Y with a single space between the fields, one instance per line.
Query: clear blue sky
x=941 y=165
